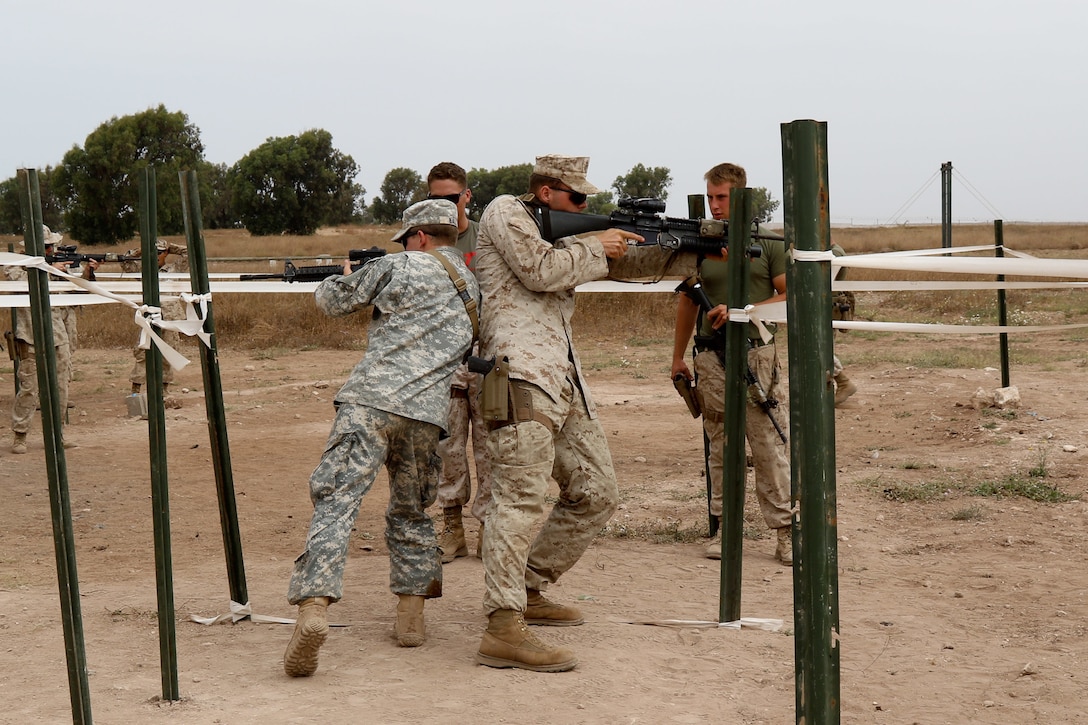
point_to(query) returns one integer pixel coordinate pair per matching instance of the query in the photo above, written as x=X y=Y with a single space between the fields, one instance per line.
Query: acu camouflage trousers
x=362 y=439
x=524 y=457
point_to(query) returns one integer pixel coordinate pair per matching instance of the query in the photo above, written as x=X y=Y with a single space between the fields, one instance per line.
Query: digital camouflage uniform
x=172 y=309
x=64 y=344
x=528 y=287
x=390 y=411
x=465 y=419
x=772 y=472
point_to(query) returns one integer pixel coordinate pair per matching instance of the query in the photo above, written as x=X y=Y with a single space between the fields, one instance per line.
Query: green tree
x=216 y=209
x=486 y=185
x=96 y=185
x=600 y=203
x=765 y=204
x=11 y=219
x=401 y=188
x=292 y=184
x=642 y=181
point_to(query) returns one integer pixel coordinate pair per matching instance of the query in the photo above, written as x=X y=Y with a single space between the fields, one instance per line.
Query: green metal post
x=736 y=404
x=1002 y=307
x=55 y=462
x=946 y=205
x=156 y=424
x=812 y=423
x=213 y=393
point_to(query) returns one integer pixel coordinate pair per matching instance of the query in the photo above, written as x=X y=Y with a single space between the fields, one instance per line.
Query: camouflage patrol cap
x=571 y=170
x=51 y=238
x=429 y=211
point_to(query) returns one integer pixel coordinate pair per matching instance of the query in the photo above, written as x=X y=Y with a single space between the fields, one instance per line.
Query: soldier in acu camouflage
x=449 y=181
x=390 y=411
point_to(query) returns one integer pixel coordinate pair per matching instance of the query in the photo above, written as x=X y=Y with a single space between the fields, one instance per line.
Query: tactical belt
x=521 y=408
x=717 y=342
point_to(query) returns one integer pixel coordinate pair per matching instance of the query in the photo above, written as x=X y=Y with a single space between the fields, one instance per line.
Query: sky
x=996 y=87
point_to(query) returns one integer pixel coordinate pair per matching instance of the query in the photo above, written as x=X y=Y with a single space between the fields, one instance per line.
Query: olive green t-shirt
x=762 y=271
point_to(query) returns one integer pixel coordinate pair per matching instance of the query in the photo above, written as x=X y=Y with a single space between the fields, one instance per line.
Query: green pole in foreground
x=812 y=423
x=1002 y=306
x=213 y=393
x=55 y=461
x=734 y=471
x=156 y=425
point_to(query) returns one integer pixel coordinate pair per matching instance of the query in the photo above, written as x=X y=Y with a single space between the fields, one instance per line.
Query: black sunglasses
x=452 y=198
x=576 y=197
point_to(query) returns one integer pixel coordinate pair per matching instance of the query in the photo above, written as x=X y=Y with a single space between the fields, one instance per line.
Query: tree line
x=287 y=185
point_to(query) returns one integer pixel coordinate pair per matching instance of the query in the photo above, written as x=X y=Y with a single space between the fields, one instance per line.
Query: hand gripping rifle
x=357 y=257
x=696 y=293
x=645 y=217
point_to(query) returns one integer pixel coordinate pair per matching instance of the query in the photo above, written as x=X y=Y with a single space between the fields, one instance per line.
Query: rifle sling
x=462 y=292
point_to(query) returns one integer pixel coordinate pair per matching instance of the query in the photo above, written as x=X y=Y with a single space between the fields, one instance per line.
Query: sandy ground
x=954 y=609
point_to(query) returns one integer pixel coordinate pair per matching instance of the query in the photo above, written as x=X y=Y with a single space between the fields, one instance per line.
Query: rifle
x=318 y=272
x=67 y=253
x=697 y=294
x=644 y=216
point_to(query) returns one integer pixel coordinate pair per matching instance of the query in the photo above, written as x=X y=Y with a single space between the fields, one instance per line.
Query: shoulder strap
x=462 y=292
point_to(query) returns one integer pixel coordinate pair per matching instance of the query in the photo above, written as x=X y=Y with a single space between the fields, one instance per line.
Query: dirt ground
x=954 y=609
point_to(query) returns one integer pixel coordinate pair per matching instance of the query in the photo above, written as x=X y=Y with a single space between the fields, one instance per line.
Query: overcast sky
x=994 y=86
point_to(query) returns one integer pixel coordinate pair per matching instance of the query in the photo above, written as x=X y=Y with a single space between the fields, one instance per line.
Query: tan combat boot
x=18 y=445
x=844 y=388
x=714 y=548
x=169 y=401
x=783 y=552
x=539 y=610
x=452 y=539
x=509 y=643
x=409 y=626
x=480 y=542
x=311 y=631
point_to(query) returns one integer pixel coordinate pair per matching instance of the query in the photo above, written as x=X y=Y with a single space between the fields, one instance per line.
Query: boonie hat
x=571 y=170
x=428 y=211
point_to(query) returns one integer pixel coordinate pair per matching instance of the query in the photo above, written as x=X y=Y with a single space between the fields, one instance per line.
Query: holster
x=17 y=349
x=9 y=343
x=683 y=386
x=495 y=395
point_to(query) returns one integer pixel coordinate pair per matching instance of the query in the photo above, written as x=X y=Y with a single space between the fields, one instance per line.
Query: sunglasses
x=452 y=198
x=576 y=197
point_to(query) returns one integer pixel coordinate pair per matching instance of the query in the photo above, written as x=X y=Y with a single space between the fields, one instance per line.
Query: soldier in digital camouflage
x=390 y=411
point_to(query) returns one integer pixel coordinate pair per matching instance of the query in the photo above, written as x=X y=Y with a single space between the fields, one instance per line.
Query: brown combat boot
x=18 y=445
x=508 y=642
x=844 y=388
x=409 y=626
x=714 y=548
x=540 y=610
x=452 y=539
x=311 y=631
x=783 y=552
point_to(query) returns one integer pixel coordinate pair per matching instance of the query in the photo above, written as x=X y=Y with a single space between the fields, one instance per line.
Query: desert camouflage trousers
x=26 y=401
x=362 y=439
x=524 y=457
x=172 y=309
x=772 y=468
x=455 y=482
